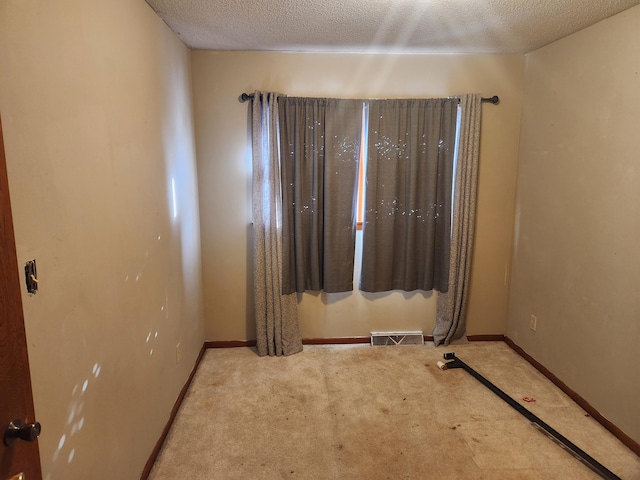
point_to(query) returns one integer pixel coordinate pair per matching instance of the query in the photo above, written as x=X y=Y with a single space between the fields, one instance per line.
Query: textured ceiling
x=420 y=26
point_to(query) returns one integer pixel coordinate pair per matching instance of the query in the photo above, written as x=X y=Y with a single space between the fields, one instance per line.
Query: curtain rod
x=493 y=100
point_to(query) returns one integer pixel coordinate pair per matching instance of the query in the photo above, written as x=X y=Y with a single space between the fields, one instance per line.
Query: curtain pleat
x=320 y=148
x=277 y=330
x=452 y=306
x=407 y=214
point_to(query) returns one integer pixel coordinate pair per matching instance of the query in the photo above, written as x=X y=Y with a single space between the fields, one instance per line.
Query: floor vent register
x=397 y=338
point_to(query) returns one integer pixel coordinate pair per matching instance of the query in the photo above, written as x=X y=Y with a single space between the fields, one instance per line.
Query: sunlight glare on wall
x=174 y=202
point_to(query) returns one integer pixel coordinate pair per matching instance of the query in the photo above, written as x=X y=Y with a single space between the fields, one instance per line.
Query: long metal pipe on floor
x=584 y=457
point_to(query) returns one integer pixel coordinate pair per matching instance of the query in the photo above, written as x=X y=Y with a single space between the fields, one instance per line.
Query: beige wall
x=223 y=152
x=576 y=258
x=96 y=108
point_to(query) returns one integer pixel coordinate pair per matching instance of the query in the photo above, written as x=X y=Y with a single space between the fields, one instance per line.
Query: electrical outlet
x=178 y=352
x=533 y=323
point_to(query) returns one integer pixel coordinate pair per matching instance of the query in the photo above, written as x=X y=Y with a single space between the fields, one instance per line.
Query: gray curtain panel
x=407 y=218
x=452 y=306
x=276 y=315
x=320 y=149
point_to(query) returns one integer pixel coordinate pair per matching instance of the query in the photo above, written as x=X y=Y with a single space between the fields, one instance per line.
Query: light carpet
x=361 y=412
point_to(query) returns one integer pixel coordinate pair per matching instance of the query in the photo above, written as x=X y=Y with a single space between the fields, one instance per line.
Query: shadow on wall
x=250 y=319
x=332 y=298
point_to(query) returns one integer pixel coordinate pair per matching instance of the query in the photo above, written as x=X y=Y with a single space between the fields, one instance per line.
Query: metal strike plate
x=31 y=276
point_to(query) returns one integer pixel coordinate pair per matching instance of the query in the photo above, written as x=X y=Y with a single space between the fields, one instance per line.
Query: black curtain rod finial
x=245 y=96
x=494 y=100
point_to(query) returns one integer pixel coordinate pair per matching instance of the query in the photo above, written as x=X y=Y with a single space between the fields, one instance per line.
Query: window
x=362 y=165
x=391 y=161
